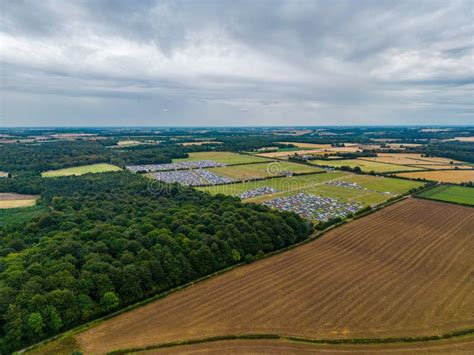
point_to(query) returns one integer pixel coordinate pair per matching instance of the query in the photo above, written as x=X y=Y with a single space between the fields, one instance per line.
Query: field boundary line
x=263 y=336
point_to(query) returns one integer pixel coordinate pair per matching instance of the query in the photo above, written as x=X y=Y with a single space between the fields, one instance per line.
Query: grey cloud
x=236 y=62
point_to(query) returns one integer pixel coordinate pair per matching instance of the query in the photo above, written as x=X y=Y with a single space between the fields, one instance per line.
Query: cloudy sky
x=236 y=62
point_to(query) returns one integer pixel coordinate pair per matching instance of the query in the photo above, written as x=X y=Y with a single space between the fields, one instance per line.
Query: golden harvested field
x=410 y=159
x=404 y=271
x=452 y=176
x=348 y=149
x=463 y=345
x=125 y=143
x=308 y=145
x=185 y=144
x=11 y=200
x=443 y=166
x=403 y=145
x=465 y=139
x=366 y=165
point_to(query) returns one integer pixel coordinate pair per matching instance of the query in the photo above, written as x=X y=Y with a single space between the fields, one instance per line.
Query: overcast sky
x=236 y=62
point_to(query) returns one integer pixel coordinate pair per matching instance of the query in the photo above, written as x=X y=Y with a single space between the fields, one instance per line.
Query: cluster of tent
x=259 y=191
x=314 y=207
x=192 y=177
x=182 y=165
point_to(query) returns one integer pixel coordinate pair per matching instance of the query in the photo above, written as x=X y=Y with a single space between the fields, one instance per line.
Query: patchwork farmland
x=365 y=165
x=411 y=159
x=404 y=271
x=284 y=154
x=374 y=189
x=310 y=191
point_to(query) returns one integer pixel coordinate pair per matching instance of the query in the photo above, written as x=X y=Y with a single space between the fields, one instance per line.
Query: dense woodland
x=111 y=239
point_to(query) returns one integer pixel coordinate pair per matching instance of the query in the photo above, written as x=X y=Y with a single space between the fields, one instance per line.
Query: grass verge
x=465 y=332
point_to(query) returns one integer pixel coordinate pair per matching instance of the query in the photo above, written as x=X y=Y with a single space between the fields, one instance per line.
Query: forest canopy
x=109 y=240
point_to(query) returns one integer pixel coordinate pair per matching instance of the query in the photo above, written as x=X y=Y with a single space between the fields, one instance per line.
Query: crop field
x=379 y=190
x=12 y=216
x=384 y=184
x=443 y=166
x=126 y=143
x=80 y=170
x=287 y=153
x=449 y=193
x=11 y=200
x=403 y=145
x=346 y=149
x=263 y=170
x=404 y=271
x=3 y=174
x=223 y=157
x=365 y=165
x=464 y=139
x=186 y=144
x=450 y=176
x=306 y=150
x=308 y=145
x=410 y=159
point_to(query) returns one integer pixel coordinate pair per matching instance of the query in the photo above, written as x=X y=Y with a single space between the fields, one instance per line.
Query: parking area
x=192 y=177
x=182 y=165
x=259 y=191
x=314 y=207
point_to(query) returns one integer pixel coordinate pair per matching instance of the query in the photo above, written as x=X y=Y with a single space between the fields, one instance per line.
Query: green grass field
x=263 y=170
x=223 y=157
x=448 y=193
x=294 y=183
x=379 y=189
x=80 y=170
x=14 y=216
x=384 y=184
x=365 y=165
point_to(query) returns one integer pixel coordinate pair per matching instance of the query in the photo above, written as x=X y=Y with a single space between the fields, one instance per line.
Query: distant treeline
x=463 y=151
x=35 y=158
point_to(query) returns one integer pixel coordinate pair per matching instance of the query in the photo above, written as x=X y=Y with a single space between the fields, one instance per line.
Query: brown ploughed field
x=404 y=271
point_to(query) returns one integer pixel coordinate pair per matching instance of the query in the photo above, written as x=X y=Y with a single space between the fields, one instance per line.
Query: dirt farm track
x=404 y=271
